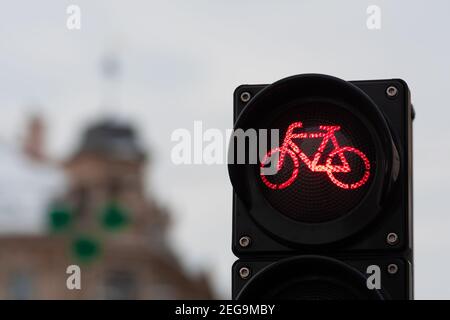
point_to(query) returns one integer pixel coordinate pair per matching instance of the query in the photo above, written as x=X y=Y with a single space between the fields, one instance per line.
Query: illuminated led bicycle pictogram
x=291 y=149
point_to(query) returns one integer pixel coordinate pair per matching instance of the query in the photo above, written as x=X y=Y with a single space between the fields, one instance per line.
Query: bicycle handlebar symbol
x=291 y=149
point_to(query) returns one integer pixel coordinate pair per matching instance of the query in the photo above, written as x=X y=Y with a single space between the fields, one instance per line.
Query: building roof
x=112 y=138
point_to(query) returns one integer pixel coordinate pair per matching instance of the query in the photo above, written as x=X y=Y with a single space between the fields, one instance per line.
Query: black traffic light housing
x=377 y=232
x=265 y=278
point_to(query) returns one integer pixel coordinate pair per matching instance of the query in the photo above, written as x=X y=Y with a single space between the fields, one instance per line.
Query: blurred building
x=91 y=211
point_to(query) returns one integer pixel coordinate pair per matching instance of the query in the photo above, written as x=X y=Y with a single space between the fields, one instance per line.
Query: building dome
x=113 y=138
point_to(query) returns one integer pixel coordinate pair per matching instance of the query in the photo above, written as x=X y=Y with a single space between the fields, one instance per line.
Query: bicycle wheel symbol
x=340 y=183
x=269 y=157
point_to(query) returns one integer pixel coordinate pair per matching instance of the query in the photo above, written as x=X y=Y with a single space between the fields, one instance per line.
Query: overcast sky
x=181 y=61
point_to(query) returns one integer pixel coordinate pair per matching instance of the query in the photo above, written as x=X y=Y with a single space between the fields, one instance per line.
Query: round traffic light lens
x=325 y=162
x=309 y=278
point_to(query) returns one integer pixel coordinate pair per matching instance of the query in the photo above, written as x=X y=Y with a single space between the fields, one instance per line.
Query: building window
x=19 y=286
x=120 y=285
x=114 y=187
x=162 y=291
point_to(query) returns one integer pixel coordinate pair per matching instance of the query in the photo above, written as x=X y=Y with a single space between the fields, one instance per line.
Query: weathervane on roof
x=111 y=70
x=110 y=66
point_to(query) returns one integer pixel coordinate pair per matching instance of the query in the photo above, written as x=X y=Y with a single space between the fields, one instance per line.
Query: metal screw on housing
x=245 y=96
x=244 y=272
x=392 y=91
x=245 y=241
x=392 y=238
x=392 y=268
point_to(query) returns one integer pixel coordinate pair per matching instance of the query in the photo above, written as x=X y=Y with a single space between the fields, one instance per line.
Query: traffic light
x=333 y=219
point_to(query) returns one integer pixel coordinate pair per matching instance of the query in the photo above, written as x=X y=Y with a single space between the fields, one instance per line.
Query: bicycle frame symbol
x=291 y=149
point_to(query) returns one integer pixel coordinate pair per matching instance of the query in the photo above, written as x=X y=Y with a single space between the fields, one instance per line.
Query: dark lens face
x=325 y=162
x=315 y=289
x=309 y=278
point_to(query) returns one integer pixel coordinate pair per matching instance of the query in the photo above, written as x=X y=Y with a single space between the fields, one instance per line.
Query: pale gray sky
x=181 y=62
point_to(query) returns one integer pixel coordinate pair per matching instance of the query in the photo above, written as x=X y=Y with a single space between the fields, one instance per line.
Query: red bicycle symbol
x=291 y=149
